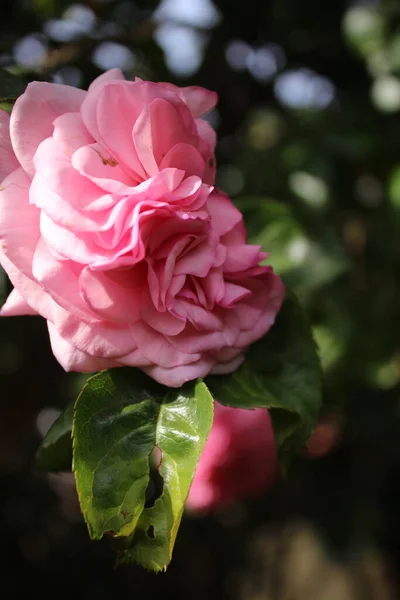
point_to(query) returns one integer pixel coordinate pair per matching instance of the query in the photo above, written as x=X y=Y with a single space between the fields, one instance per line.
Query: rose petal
x=114 y=295
x=16 y=305
x=8 y=160
x=33 y=116
x=177 y=376
x=72 y=359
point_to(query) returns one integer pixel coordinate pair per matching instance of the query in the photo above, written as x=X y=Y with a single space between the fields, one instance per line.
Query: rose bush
x=239 y=460
x=111 y=229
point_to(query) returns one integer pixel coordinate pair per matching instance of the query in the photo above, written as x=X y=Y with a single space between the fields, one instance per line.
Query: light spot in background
x=298 y=249
x=369 y=191
x=196 y=13
x=109 y=55
x=385 y=93
x=237 y=53
x=265 y=129
x=106 y=29
x=69 y=75
x=183 y=47
x=302 y=88
x=78 y=20
x=363 y=29
x=394 y=187
x=330 y=345
x=230 y=179
x=79 y=13
x=262 y=64
x=45 y=419
x=355 y=236
x=178 y=32
x=386 y=375
x=30 y=51
x=309 y=188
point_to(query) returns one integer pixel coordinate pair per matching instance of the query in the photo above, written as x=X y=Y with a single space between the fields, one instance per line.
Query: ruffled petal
x=34 y=113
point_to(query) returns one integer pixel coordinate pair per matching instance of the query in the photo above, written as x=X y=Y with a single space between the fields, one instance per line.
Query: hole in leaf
x=156 y=483
x=150 y=532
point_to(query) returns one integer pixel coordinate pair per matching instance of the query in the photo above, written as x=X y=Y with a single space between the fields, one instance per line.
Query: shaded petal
x=143 y=140
x=225 y=216
x=167 y=128
x=114 y=295
x=97 y=338
x=207 y=133
x=15 y=306
x=19 y=221
x=33 y=294
x=162 y=321
x=240 y=258
x=186 y=157
x=227 y=367
x=177 y=376
x=8 y=160
x=110 y=75
x=70 y=133
x=158 y=349
x=60 y=279
x=95 y=163
x=72 y=359
x=198 y=99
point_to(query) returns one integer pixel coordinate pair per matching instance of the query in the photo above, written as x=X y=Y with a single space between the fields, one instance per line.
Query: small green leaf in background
x=55 y=451
x=11 y=87
x=303 y=251
x=120 y=417
x=281 y=372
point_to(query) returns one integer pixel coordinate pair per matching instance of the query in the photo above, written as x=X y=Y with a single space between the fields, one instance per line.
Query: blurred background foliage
x=309 y=148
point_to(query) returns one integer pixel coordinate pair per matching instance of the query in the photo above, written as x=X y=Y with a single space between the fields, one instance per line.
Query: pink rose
x=239 y=459
x=111 y=229
x=8 y=160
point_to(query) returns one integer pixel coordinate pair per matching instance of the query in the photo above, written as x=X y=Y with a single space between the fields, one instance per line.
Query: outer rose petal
x=101 y=80
x=8 y=160
x=156 y=348
x=198 y=99
x=35 y=297
x=33 y=115
x=179 y=375
x=19 y=221
x=15 y=305
x=72 y=359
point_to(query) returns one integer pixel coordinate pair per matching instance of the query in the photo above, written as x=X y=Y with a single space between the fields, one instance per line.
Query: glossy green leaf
x=11 y=86
x=119 y=418
x=55 y=451
x=281 y=372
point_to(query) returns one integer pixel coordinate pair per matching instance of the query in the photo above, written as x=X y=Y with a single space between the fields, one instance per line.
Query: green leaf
x=281 y=372
x=119 y=418
x=11 y=86
x=55 y=451
x=302 y=250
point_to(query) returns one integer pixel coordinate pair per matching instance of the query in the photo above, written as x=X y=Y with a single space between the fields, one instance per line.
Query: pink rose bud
x=239 y=460
x=111 y=229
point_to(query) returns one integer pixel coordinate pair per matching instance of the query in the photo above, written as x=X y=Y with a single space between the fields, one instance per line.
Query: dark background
x=309 y=147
